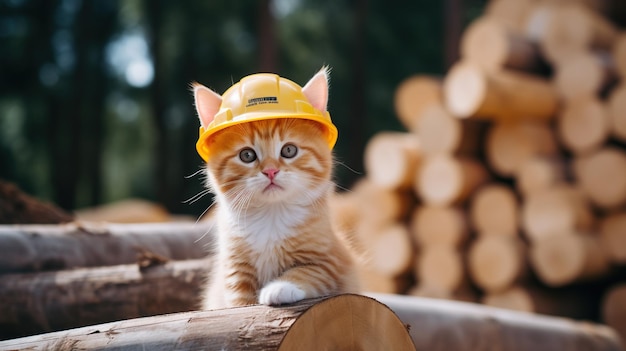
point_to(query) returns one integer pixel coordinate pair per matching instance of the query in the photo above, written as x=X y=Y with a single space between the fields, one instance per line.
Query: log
x=125 y=211
x=569 y=302
x=439 y=225
x=583 y=124
x=511 y=144
x=535 y=25
x=497 y=262
x=42 y=302
x=438 y=130
x=509 y=13
x=452 y=325
x=619 y=54
x=441 y=268
x=27 y=248
x=494 y=211
x=574 y=28
x=613 y=237
x=413 y=95
x=617 y=112
x=391 y=159
x=538 y=174
x=373 y=281
x=445 y=180
x=614 y=309
x=391 y=250
x=559 y=210
x=492 y=46
x=562 y=259
x=336 y=323
x=465 y=294
x=583 y=74
x=470 y=92
x=601 y=176
x=379 y=207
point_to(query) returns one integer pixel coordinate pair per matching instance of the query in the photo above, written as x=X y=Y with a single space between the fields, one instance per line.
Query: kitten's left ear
x=316 y=89
x=207 y=103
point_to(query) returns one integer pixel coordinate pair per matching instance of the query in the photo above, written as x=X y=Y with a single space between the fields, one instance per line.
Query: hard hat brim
x=203 y=148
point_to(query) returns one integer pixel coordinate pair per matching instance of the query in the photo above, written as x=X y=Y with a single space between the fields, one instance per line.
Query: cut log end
x=494 y=210
x=601 y=176
x=584 y=124
x=496 y=262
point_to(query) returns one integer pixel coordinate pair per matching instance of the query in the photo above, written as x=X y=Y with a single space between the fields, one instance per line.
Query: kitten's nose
x=270 y=173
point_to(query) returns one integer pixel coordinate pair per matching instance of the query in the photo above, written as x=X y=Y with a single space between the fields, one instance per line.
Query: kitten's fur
x=276 y=244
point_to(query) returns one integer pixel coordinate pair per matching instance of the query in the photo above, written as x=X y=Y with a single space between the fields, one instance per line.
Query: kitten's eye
x=289 y=151
x=247 y=155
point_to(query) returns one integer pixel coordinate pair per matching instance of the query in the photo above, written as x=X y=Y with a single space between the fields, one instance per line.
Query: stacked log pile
x=509 y=184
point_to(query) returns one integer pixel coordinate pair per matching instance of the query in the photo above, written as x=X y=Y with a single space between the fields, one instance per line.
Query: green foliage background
x=74 y=131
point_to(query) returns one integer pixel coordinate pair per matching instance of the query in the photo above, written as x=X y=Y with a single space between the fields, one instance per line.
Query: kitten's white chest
x=265 y=230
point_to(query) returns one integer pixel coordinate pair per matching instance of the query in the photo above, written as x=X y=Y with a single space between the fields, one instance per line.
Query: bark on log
x=491 y=329
x=601 y=176
x=413 y=95
x=574 y=28
x=506 y=95
x=336 y=323
x=560 y=210
x=492 y=46
x=582 y=74
x=497 y=262
x=613 y=237
x=565 y=302
x=583 y=125
x=33 y=303
x=617 y=111
x=562 y=259
x=28 y=248
x=539 y=174
x=614 y=309
x=446 y=180
x=511 y=144
x=494 y=211
x=391 y=159
x=439 y=225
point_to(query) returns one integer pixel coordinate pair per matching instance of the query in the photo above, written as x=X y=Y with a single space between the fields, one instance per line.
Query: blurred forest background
x=94 y=98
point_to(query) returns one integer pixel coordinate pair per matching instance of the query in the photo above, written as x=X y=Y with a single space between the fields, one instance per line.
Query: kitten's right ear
x=207 y=103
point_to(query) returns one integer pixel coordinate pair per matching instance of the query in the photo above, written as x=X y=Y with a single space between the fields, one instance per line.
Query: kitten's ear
x=316 y=89
x=207 y=103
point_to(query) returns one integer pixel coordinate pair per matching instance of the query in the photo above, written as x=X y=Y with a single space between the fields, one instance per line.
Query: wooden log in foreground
x=345 y=322
x=28 y=248
x=42 y=302
x=451 y=325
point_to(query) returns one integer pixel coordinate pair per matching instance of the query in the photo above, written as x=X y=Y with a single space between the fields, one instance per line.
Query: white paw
x=280 y=292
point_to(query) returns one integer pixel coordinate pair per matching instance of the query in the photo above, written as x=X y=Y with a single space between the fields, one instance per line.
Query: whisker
x=197 y=197
x=194 y=173
x=343 y=164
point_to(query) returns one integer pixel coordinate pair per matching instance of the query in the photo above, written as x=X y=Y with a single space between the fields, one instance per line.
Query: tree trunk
x=449 y=325
x=37 y=247
x=345 y=322
x=50 y=301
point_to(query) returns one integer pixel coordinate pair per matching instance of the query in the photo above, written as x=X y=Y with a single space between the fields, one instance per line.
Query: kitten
x=272 y=181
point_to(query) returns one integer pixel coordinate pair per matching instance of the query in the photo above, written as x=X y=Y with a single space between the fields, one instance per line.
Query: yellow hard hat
x=263 y=96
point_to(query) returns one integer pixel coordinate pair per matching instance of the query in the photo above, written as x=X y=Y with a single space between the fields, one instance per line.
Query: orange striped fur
x=275 y=242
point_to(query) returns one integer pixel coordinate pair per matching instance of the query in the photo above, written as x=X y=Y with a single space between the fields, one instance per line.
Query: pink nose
x=270 y=173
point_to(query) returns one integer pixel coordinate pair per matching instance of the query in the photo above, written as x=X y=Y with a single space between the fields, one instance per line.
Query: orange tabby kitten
x=272 y=180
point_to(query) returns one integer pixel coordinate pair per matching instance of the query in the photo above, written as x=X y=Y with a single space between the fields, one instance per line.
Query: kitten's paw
x=280 y=292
